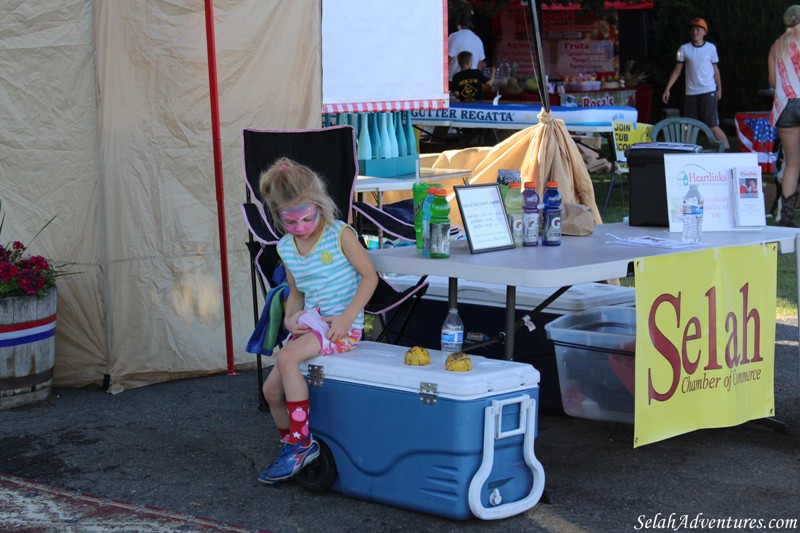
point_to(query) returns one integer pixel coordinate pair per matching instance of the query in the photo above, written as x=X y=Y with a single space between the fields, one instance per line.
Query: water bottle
x=551 y=215
x=530 y=215
x=513 y=203
x=440 y=225
x=452 y=333
x=692 y=216
x=426 y=219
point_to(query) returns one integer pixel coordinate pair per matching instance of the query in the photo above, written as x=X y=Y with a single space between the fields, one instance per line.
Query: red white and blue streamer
x=27 y=332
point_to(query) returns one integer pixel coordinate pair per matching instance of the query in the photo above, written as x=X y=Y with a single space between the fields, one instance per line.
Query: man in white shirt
x=464 y=40
x=703 y=81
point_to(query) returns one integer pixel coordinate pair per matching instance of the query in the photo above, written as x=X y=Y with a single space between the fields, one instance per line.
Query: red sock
x=283 y=432
x=298 y=421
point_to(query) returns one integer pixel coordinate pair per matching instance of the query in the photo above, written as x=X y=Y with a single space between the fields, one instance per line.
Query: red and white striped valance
x=396 y=105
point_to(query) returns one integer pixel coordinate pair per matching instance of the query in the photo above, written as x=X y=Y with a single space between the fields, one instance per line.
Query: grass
x=786 y=304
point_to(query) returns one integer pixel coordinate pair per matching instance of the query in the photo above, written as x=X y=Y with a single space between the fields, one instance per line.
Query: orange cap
x=514 y=185
x=438 y=191
x=552 y=184
x=530 y=184
x=700 y=23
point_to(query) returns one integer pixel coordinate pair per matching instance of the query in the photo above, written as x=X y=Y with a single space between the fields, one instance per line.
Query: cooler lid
x=577 y=298
x=383 y=365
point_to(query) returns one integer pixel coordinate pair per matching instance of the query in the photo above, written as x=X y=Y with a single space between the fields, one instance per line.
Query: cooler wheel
x=319 y=475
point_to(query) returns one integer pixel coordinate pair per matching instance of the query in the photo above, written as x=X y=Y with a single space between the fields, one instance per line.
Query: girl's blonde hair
x=785 y=41
x=288 y=183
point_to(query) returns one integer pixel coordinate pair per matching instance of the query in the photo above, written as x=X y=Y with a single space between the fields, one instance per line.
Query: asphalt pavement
x=196 y=446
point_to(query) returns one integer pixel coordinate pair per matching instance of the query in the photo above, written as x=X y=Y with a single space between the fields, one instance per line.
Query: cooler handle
x=492 y=431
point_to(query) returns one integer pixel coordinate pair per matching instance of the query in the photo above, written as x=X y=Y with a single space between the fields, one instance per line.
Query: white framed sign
x=484 y=217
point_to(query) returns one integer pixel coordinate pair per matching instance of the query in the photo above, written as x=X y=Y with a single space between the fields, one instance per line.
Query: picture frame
x=484 y=217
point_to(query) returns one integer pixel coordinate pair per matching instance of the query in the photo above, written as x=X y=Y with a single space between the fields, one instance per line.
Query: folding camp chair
x=330 y=152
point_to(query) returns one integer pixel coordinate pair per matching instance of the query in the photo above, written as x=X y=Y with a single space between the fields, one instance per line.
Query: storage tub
x=595 y=358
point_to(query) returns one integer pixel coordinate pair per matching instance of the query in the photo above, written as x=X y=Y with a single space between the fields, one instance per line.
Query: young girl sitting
x=331 y=279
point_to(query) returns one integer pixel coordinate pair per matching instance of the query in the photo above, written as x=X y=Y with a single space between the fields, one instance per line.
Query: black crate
x=648 y=184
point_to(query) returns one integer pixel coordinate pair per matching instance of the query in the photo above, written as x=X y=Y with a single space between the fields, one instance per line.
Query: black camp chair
x=330 y=152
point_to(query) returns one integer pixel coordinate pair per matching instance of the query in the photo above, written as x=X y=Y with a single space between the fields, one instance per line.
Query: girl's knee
x=286 y=361
x=273 y=392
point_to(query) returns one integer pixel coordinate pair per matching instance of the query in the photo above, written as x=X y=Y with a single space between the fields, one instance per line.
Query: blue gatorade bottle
x=551 y=215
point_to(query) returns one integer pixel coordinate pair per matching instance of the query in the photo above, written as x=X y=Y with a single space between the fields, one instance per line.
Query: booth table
x=577 y=260
x=518 y=116
x=405 y=182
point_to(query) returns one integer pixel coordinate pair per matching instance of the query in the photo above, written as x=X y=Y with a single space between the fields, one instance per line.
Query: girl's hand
x=294 y=327
x=339 y=325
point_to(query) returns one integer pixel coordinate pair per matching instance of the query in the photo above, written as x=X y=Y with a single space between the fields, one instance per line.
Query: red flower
x=7 y=272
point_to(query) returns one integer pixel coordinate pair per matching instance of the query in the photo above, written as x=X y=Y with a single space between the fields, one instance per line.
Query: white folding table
x=577 y=260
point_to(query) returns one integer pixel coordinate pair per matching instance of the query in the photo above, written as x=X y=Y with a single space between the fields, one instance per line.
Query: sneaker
x=291 y=459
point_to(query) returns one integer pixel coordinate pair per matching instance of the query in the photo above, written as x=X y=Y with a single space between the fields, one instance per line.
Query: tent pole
x=539 y=65
x=215 y=131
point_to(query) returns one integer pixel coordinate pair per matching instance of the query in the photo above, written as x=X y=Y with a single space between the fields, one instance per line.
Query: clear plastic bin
x=595 y=357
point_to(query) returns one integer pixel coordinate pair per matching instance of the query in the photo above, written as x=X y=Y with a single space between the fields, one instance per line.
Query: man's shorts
x=702 y=107
x=790 y=116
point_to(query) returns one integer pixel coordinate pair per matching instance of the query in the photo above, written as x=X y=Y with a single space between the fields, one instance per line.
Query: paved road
x=196 y=446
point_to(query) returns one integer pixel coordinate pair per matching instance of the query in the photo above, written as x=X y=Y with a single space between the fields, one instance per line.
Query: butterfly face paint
x=300 y=220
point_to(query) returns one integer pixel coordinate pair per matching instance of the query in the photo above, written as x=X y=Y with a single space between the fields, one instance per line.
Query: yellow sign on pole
x=705 y=340
x=626 y=134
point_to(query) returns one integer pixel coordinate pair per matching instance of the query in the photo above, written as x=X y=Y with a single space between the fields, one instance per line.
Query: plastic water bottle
x=551 y=215
x=452 y=333
x=426 y=219
x=513 y=203
x=692 y=216
x=530 y=215
x=440 y=225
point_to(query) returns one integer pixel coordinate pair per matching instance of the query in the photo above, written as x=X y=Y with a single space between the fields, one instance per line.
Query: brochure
x=748 y=197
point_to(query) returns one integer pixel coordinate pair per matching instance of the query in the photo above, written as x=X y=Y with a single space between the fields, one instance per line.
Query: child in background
x=331 y=279
x=467 y=84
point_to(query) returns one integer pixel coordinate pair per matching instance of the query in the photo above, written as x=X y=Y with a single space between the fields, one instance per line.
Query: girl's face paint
x=300 y=220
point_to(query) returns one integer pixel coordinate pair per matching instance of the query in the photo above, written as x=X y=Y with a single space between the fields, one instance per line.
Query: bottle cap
x=514 y=185
x=438 y=191
x=530 y=184
x=552 y=184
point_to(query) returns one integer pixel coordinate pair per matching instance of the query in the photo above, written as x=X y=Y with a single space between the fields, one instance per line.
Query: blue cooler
x=453 y=444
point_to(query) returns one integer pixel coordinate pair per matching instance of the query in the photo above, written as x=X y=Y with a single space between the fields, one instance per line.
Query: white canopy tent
x=106 y=124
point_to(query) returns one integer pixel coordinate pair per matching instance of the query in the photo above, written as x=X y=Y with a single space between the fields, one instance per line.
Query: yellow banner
x=705 y=340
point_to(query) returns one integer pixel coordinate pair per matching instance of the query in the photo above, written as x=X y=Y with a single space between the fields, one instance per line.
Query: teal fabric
x=269 y=331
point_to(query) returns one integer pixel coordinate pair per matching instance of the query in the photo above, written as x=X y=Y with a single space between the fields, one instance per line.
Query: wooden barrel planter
x=27 y=348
